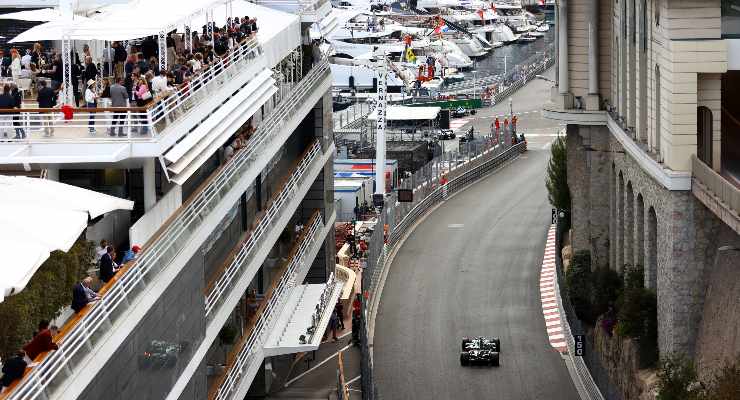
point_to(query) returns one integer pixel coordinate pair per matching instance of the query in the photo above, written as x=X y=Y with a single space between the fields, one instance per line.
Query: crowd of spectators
x=132 y=65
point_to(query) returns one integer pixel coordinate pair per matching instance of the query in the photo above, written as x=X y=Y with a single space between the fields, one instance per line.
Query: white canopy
x=363 y=76
x=403 y=113
x=42 y=15
x=40 y=216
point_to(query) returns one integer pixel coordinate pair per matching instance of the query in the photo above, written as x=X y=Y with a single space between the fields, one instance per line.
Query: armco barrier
x=584 y=381
x=475 y=167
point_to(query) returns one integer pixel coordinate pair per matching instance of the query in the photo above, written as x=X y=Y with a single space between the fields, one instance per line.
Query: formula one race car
x=481 y=351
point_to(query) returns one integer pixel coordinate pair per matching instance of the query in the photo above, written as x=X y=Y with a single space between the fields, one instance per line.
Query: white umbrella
x=40 y=216
x=52 y=30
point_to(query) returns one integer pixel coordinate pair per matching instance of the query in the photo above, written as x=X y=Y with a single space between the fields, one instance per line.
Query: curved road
x=472 y=268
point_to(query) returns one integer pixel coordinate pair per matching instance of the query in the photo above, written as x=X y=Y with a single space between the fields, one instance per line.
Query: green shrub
x=607 y=287
x=557 y=176
x=48 y=291
x=579 y=285
x=638 y=315
x=677 y=379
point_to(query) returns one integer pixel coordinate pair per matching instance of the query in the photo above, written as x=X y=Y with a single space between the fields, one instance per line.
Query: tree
x=557 y=176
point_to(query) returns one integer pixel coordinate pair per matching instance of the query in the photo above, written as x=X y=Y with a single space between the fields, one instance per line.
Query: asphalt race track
x=472 y=268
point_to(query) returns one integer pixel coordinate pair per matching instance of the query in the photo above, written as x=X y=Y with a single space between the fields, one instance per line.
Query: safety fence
x=572 y=326
x=432 y=184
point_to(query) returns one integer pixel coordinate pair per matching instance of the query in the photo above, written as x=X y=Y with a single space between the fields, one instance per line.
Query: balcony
x=716 y=193
x=231 y=90
x=244 y=362
x=310 y=11
x=93 y=335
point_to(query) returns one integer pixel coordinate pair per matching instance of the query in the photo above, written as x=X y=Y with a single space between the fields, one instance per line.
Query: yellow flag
x=410 y=55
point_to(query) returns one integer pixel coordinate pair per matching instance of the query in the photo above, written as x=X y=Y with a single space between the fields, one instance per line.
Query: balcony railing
x=135 y=123
x=270 y=308
x=159 y=252
x=223 y=285
x=723 y=190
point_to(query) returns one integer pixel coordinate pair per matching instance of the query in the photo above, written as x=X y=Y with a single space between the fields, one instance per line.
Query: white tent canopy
x=41 y=15
x=403 y=113
x=136 y=19
x=42 y=216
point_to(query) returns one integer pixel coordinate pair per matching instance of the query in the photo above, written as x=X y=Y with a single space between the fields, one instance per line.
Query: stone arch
x=656 y=140
x=640 y=231
x=620 y=223
x=629 y=224
x=612 y=217
x=651 y=253
x=704 y=135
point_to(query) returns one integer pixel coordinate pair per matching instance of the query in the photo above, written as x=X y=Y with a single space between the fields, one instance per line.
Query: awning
x=39 y=15
x=41 y=216
x=363 y=76
x=403 y=113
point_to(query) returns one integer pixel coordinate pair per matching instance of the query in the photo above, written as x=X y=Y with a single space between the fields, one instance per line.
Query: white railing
x=224 y=283
x=275 y=303
x=301 y=6
x=323 y=303
x=132 y=122
x=157 y=255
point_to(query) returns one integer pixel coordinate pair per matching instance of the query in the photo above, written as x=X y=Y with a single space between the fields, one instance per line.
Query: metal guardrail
x=164 y=247
x=276 y=299
x=233 y=271
x=476 y=165
x=725 y=191
x=584 y=381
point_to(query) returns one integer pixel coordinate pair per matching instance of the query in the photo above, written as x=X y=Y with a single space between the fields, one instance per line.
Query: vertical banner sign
x=579 y=339
x=381 y=106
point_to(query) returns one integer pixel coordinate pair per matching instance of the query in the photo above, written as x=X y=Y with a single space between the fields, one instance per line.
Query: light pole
x=475 y=83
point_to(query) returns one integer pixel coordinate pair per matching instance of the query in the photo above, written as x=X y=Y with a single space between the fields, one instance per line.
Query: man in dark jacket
x=107 y=267
x=47 y=99
x=6 y=101
x=20 y=133
x=119 y=98
x=13 y=369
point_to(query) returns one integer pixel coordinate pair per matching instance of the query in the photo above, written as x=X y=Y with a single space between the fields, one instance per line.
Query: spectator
x=333 y=324
x=83 y=294
x=143 y=96
x=159 y=85
x=20 y=133
x=109 y=55
x=15 y=64
x=37 y=54
x=6 y=102
x=108 y=267
x=26 y=60
x=118 y=98
x=100 y=250
x=91 y=99
x=142 y=63
x=105 y=93
x=90 y=71
x=43 y=341
x=120 y=56
x=47 y=99
x=129 y=65
x=339 y=309
x=13 y=369
x=130 y=254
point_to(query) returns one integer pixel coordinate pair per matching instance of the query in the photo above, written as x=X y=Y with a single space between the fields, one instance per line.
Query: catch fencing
x=432 y=184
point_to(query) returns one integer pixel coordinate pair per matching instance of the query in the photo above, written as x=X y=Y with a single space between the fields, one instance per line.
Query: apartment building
x=237 y=260
x=647 y=90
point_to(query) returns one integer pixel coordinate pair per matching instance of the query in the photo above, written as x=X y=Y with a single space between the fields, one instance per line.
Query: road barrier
x=442 y=177
x=570 y=324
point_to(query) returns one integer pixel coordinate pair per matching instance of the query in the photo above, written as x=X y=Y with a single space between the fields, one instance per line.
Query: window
x=643 y=31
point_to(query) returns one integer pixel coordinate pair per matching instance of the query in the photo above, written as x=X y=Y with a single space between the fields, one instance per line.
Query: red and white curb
x=456 y=124
x=548 y=295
